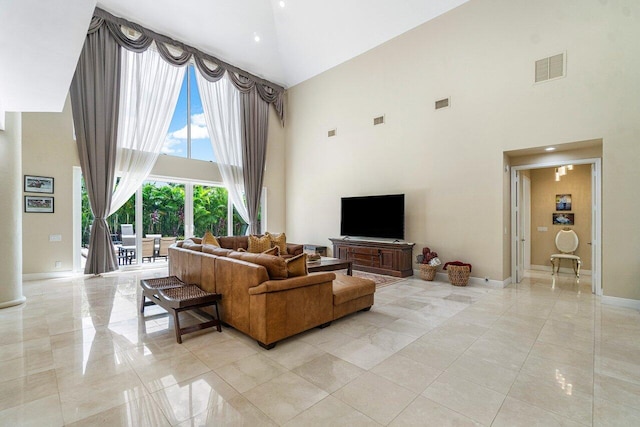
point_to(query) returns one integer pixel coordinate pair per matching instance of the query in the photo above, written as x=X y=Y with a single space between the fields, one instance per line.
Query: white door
x=596 y=241
x=525 y=209
x=516 y=225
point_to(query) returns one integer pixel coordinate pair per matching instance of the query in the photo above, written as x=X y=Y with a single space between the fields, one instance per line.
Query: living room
x=450 y=163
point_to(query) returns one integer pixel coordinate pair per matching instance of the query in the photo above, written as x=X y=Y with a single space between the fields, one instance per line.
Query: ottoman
x=351 y=294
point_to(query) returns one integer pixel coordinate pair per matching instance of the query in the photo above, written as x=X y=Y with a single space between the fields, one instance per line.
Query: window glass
x=163 y=209
x=189 y=114
x=200 y=143
x=210 y=210
x=175 y=143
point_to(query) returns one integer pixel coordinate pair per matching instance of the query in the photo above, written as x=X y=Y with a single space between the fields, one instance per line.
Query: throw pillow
x=210 y=239
x=297 y=266
x=279 y=240
x=275 y=251
x=258 y=244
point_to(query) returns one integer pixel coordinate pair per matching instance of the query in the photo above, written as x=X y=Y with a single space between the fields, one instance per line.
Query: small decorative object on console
x=458 y=272
x=313 y=257
x=429 y=262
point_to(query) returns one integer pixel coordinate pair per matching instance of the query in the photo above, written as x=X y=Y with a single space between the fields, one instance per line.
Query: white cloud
x=170 y=143
x=198 y=129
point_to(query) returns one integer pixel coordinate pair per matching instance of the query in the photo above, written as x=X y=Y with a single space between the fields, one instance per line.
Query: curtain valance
x=242 y=80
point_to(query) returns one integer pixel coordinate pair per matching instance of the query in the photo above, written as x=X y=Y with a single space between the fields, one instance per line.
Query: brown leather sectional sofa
x=257 y=296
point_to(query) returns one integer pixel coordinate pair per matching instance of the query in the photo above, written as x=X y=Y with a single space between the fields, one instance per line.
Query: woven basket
x=427 y=272
x=458 y=275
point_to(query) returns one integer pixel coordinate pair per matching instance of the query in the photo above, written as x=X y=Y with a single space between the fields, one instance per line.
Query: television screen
x=373 y=216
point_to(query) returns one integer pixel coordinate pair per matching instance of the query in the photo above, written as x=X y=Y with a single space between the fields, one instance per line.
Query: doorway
x=521 y=220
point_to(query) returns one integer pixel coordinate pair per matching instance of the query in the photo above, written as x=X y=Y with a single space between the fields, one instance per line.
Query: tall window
x=188 y=136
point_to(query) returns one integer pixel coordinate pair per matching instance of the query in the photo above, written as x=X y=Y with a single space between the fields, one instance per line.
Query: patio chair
x=147 y=249
x=156 y=242
x=165 y=242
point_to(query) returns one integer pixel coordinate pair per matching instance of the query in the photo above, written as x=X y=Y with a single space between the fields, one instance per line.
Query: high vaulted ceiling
x=298 y=39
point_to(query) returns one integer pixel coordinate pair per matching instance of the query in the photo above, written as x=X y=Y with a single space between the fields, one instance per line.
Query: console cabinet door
x=387 y=259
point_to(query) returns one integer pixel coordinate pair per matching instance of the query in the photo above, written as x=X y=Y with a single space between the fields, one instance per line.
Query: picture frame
x=38 y=184
x=563 y=219
x=563 y=202
x=38 y=204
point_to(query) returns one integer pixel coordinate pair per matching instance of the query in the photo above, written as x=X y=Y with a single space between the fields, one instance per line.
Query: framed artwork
x=38 y=184
x=42 y=204
x=563 y=202
x=563 y=219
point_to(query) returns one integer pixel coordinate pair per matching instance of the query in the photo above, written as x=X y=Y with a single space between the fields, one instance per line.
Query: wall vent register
x=550 y=68
x=442 y=103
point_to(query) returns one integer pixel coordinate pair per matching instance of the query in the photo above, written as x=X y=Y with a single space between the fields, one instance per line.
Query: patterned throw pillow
x=258 y=244
x=279 y=240
x=210 y=239
x=297 y=266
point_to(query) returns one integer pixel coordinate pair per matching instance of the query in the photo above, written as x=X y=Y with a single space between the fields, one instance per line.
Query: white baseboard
x=621 y=302
x=475 y=281
x=562 y=269
x=49 y=275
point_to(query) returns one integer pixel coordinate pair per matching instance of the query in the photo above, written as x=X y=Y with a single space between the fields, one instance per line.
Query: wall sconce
x=557 y=175
x=562 y=170
x=569 y=167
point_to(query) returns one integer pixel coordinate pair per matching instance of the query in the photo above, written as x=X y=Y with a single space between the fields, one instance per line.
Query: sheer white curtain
x=222 y=113
x=149 y=91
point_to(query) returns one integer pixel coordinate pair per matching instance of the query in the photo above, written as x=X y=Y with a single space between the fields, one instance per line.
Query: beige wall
x=543 y=192
x=450 y=162
x=48 y=149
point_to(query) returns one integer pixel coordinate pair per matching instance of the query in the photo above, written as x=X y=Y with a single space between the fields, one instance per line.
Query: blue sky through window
x=176 y=141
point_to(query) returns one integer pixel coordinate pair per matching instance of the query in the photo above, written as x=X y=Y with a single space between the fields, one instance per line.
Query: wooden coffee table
x=329 y=264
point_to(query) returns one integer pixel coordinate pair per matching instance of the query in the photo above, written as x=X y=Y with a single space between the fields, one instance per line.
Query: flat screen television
x=373 y=216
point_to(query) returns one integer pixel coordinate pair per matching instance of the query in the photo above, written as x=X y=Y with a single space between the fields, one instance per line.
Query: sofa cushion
x=278 y=240
x=347 y=288
x=276 y=266
x=275 y=251
x=192 y=245
x=259 y=244
x=210 y=239
x=297 y=266
x=215 y=250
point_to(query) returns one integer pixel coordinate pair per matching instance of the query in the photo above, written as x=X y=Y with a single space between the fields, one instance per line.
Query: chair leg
x=176 y=325
x=142 y=304
x=578 y=262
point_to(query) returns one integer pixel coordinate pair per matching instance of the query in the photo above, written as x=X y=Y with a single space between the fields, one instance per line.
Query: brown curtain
x=95 y=92
x=255 y=127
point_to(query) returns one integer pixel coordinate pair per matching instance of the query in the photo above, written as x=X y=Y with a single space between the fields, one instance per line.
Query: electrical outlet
x=55 y=237
x=58 y=264
x=486 y=279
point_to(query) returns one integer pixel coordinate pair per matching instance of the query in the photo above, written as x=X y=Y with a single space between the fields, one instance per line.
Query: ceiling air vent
x=442 y=103
x=378 y=120
x=550 y=68
x=331 y=133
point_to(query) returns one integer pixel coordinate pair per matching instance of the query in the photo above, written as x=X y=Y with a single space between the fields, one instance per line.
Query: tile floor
x=544 y=352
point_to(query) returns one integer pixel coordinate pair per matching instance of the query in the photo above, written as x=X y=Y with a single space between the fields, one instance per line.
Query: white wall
x=450 y=163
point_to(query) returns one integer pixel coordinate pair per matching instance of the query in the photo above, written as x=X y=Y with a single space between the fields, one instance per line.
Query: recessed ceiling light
x=256 y=38
x=281 y=3
x=549 y=148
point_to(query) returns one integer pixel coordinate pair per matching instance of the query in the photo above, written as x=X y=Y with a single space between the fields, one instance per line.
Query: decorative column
x=11 y=211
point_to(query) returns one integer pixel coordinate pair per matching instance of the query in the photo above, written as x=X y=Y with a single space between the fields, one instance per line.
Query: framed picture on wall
x=40 y=204
x=38 y=184
x=563 y=202
x=563 y=219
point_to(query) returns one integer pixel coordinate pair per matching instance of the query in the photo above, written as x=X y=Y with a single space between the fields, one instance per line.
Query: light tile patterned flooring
x=544 y=352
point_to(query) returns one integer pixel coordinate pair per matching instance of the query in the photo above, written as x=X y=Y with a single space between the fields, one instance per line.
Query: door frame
x=596 y=221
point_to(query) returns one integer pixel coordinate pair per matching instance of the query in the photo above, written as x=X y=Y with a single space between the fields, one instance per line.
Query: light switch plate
x=543 y=229
x=55 y=237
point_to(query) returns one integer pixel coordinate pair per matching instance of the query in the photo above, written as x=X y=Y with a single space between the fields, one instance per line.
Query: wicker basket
x=458 y=275
x=427 y=272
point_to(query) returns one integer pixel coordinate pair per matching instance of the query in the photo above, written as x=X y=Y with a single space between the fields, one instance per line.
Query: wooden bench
x=175 y=296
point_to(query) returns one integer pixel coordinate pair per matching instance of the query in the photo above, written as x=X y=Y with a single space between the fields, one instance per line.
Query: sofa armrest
x=294 y=249
x=291 y=283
